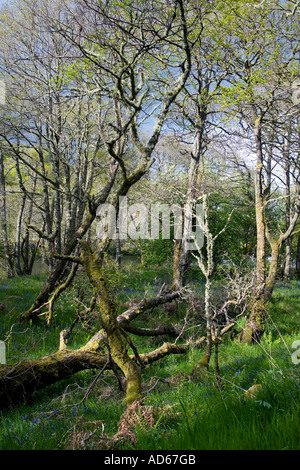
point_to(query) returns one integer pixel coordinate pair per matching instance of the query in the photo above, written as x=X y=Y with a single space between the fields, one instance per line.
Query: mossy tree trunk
x=3 y=214
x=273 y=269
x=115 y=338
x=255 y=324
x=260 y=214
x=265 y=281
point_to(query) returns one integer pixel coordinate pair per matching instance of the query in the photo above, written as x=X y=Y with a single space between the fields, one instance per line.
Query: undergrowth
x=189 y=414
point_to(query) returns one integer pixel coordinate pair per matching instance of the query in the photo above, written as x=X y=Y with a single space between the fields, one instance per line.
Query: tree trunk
x=46 y=204
x=117 y=347
x=288 y=260
x=288 y=243
x=118 y=253
x=271 y=279
x=7 y=255
x=260 y=215
x=181 y=256
x=28 y=254
x=255 y=325
x=207 y=269
x=297 y=268
x=19 y=269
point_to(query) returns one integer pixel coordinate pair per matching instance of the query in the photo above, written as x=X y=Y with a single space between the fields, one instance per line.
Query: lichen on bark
x=93 y=264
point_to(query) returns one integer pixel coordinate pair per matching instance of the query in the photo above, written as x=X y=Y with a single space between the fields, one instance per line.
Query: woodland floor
x=182 y=413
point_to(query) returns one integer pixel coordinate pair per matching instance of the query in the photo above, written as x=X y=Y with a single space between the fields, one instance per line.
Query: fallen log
x=19 y=382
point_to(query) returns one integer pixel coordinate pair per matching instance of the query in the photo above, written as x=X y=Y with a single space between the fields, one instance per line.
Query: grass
x=209 y=419
x=190 y=414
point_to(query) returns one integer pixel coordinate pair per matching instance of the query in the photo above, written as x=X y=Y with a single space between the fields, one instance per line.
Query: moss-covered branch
x=160 y=331
x=147 y=304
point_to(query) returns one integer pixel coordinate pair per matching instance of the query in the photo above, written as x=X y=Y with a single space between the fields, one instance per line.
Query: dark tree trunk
x=7 y=254
x=20 y=381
